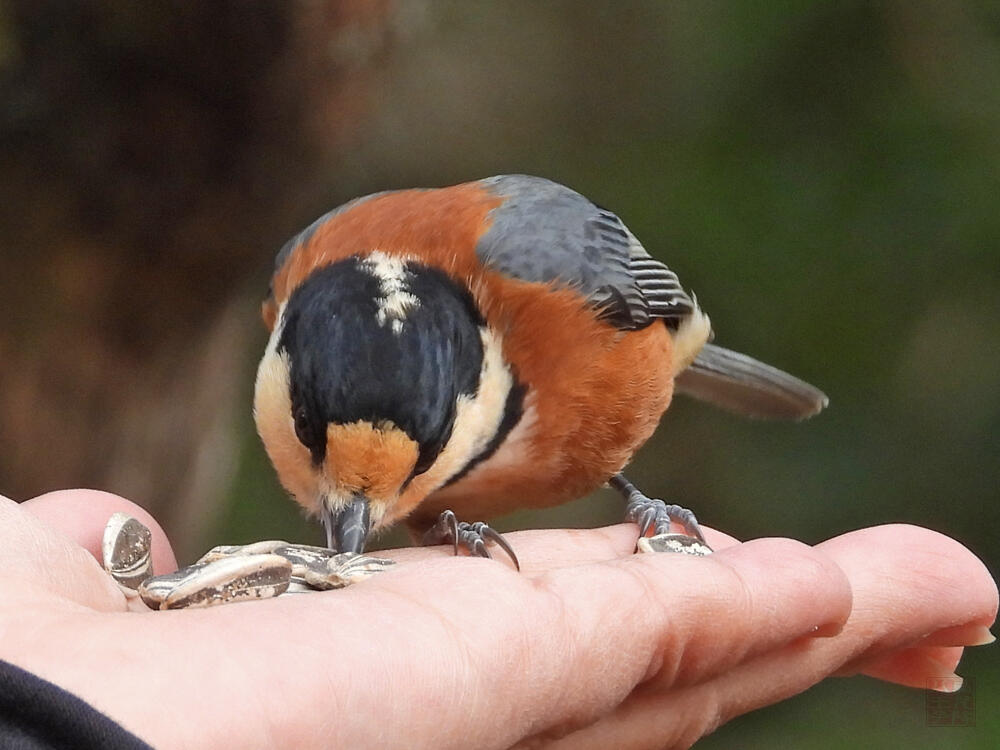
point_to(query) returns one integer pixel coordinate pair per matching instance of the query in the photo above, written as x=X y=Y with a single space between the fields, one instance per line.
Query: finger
x=656 y=619
x=81 y=515
x=972 y=634
x=764 y=594
x=907 y=582
x=541 y=550
x=924 y=667
x=924 y=581
x=37 y=561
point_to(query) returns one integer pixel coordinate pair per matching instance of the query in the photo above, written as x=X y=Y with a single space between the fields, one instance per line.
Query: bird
x=438 y=355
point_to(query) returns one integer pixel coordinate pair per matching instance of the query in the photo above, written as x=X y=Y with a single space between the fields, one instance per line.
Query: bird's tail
x=742 y=385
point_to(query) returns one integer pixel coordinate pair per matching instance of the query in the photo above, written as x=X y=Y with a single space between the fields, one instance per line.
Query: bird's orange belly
x=595 y=395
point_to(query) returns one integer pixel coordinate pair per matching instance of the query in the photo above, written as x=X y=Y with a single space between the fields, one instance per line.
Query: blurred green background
x=824 y=175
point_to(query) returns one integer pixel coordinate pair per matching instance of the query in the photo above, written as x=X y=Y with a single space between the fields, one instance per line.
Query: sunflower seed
x=125 y=550
x=230 y=579
x=344 y=569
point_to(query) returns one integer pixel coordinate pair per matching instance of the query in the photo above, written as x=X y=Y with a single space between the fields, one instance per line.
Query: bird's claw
x=472 y=536
x=658 y=516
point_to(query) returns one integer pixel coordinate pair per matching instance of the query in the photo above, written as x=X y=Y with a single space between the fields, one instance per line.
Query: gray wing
x=545 y=232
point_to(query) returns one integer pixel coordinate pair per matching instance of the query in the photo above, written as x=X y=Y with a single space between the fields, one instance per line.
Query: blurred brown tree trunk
x=154 y=156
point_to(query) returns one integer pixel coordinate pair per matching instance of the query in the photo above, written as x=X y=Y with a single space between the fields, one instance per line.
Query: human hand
x=590 y=646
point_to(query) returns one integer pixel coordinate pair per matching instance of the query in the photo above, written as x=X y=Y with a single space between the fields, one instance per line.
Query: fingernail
x=960 y=635
x=950 y=683
x=982 y=637
x=937 y=676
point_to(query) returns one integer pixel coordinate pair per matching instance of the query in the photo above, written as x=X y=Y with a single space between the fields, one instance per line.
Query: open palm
x=589 y=646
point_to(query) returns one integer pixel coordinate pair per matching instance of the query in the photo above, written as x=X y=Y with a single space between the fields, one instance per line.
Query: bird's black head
x=380 y=341
x=367 y=366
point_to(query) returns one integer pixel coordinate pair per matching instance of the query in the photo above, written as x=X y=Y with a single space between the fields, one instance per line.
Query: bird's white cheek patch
x=396 y=300
x=273 y=415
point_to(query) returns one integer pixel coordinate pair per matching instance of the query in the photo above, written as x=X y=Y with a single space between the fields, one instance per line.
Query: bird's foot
x=652 y=514
x=472 y=536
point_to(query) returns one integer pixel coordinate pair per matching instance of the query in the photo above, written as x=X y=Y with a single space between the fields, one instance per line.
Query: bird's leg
x=656 y=515
x=472 y=536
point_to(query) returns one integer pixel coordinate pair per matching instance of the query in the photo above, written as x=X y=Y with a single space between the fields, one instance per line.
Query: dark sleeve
x=36 y=714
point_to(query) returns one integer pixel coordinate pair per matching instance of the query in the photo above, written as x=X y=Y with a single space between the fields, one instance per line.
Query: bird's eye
x=302 y=431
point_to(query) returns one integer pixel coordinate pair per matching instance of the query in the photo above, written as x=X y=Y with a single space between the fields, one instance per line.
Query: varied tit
x=470 y=350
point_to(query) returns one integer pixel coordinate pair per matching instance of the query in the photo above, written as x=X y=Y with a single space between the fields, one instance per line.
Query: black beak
x=347 y=529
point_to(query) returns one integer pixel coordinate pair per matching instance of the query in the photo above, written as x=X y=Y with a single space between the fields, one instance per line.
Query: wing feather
x=545 y=232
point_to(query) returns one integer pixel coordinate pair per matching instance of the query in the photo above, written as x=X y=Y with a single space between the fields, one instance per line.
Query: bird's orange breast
x=595 y=394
